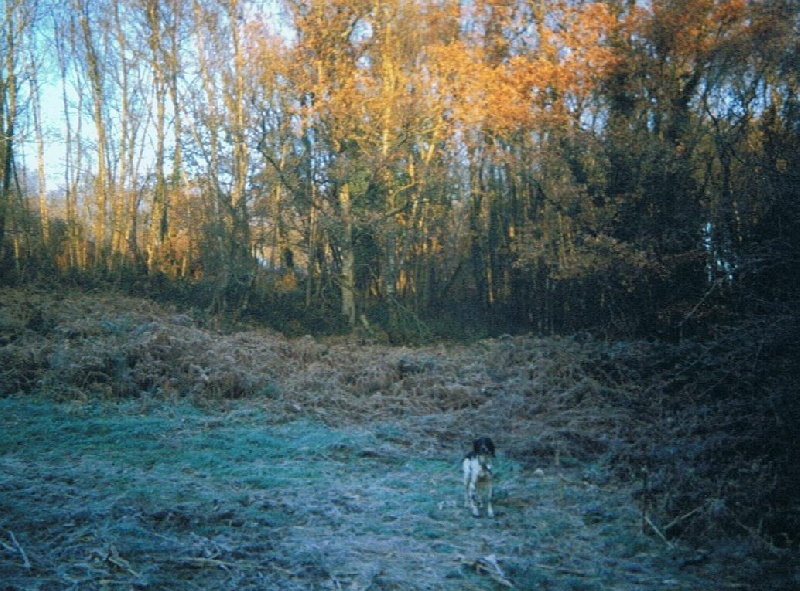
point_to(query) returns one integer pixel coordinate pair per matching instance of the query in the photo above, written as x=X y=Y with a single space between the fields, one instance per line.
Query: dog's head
x=483 y=446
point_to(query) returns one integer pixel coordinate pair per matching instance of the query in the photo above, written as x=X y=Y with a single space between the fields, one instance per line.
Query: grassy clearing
x=114 y=496
x=140 y=450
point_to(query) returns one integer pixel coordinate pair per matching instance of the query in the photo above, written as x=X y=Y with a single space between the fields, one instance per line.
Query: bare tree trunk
x=237 y=113
x=95 y=75
x=8 y=116
x=74 y=258
x=348 y=257
x=159 y=209
x=36 y=105
x=177 y=181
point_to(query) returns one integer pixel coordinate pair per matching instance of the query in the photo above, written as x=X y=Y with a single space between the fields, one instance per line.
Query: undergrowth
x=139 y=445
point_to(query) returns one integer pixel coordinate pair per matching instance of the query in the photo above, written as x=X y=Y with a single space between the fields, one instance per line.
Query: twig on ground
x=19 y=549
x=658 y=531
x=200 y=562
x=758 y=537
x=225 y=565
x=680 y=518
x=488 y=565
x=561 y=570
x=118 y=561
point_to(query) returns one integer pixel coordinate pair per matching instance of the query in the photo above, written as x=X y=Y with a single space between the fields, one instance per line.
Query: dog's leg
x=466 y=486
x=469 y=486
x=489 y=510
x=472 y=498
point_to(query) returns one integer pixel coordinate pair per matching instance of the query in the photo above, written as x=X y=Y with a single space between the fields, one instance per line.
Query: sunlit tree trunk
x=348 y=277
x=385 y=13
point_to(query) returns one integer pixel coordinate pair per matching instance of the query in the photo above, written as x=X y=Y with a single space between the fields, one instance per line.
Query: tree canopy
x=399 y=166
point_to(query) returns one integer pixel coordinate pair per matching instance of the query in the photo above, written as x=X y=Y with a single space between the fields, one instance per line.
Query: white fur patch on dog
x=477 y=466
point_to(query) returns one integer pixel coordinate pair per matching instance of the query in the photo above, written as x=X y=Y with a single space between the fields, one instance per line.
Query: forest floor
x=118 y=497
x=140 y=451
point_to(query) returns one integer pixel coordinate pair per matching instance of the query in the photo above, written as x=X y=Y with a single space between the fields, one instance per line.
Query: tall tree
x=10 y=63
x=93 y=46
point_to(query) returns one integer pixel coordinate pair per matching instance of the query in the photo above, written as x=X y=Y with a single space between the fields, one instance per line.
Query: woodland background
x=628 y=168
x=610 y=188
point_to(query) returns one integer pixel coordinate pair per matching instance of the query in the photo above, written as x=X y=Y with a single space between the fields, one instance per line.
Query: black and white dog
x=478 y=476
